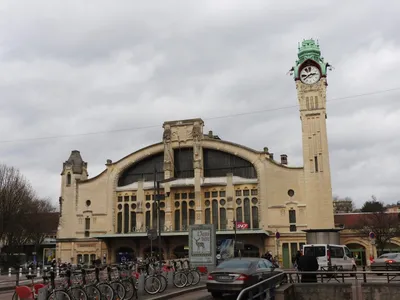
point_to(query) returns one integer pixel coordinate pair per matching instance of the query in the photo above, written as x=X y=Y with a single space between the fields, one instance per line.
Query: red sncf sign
x=242 y=225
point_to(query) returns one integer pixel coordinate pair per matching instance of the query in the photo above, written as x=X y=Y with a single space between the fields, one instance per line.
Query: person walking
x=308 y=263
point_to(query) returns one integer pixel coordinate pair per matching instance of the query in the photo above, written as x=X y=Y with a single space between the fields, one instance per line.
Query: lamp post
x=234 y=243
x=157 y=202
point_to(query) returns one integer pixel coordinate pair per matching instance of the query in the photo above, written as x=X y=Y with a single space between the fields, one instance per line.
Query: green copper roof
x=309 y=50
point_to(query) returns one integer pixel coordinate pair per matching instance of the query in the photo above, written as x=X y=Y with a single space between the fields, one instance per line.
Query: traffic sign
x=152 y=234
x=372 y=235
x=277 y=235
x=218 y=256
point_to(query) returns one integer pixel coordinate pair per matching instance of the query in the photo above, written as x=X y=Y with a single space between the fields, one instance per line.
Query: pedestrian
x=308 y=263
x=296 y=259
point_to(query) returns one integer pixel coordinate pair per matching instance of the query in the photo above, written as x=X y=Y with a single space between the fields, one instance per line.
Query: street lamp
x=234 y=243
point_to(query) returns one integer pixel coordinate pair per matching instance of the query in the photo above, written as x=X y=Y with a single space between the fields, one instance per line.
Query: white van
x=333 y=255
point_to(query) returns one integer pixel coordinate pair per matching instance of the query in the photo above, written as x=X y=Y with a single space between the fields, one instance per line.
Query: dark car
x=232 y=276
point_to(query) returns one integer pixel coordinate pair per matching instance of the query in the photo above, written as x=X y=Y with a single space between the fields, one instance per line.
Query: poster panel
x=202 y=241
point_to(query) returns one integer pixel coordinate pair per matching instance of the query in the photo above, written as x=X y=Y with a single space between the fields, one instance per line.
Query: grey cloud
x=78 y=67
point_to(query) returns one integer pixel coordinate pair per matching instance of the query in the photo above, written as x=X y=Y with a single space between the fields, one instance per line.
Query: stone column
x=168 y=206
x=168 y=153
x=230 y=193
x=198 y=167
x=139 y=208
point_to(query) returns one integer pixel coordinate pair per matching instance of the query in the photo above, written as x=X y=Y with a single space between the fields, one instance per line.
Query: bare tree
x=19 y=207
x=385 y=226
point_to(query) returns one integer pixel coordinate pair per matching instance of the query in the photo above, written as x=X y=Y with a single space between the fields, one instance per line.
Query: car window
x=235 y=264
x=261 y=265
x=389 y=256
x=317 y=251
x=348 y=252
x=336 y=252
x=268 y=263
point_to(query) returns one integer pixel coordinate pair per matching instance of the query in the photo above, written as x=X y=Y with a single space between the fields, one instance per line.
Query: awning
x=181 y=233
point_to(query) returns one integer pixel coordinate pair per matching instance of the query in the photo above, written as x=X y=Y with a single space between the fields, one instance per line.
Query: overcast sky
x=76 y=67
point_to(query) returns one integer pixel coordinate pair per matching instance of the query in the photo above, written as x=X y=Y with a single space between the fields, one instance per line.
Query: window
x=119 y=198
x=134 y=198
x=293 y=228
x=207 y=195
x=92 y=257
x=148 y=219
x=214 y=194
x=87 y=223
x=254 y=216
x=247 y=218
x=238 y=193
x=177 y=220
x=292 y=216
x=184 y=195
x=239 y=214
x=268 y=263
x=348 y=252
x=148 y=197
x=223 y=220
x=207 y=216
x=126 y=218
x=215 y=213
x=133 y=221
x=222 y=193
x=317 y=251
x=254 y=192
x=191 y=196
x=79 y=258
x=119 y=222
x=246 y=193
x=336 y=252
x=69 y=179
x=316 y=101
x=235 y=264
x=126 y=198
x=177 y=196
x=316 y=163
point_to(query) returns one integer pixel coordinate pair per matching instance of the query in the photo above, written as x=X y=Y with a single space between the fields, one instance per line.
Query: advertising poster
x=226 y=249
x=48 y=255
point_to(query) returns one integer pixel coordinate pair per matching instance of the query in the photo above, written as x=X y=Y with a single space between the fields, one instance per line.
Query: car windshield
x=390 y=256
x=317 y=251
x=235 y=264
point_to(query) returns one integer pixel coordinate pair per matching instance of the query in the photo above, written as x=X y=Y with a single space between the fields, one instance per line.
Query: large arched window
x=177 y=219
x=126 y=218
x=143 y=170
x=215 y=213
x=247 y=218
x=218 y=164
x=247 y=210
x=119 y=222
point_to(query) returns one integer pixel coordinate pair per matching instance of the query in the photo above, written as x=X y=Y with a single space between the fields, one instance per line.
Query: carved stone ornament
x=196 y=131
x=167 y=134
x=139 y=205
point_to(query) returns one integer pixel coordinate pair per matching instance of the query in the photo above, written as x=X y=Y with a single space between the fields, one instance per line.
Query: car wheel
x=216 y=295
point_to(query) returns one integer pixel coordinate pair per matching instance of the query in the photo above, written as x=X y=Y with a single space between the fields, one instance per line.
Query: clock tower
x=310 y=74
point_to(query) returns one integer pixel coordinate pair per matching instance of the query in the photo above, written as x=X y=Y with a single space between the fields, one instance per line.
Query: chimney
x=283 y=159
x=265 y=149
x=109 y=162
x=271 y=156
x=210 y=134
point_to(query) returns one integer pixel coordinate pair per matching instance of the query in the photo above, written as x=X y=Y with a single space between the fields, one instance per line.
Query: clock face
x=310 y=75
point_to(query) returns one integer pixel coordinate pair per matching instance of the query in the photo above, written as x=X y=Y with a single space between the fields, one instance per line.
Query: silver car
x=386 y=262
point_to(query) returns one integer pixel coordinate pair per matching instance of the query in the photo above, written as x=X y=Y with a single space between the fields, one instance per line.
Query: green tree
x=373 y=205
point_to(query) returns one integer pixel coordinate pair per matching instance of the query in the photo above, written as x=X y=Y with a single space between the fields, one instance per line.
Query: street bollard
x=38 y=272
x=20 y=272
x=141 y=291
x=9 y=272
x=58 y=272
x=170 y=279
x=30 y=271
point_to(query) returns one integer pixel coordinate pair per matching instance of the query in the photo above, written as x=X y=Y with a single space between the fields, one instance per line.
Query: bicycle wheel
x=129 y=289
x=119 y=289
x=92 y=292
x=190 y=278
x=196 y=277
x=152 y=285
x=107 y=292
x=58 y=294
x=164 y=283
x=77 y=293
x=180 y=279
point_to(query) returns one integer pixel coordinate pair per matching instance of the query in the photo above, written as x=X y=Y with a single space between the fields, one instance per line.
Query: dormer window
x=69 y=179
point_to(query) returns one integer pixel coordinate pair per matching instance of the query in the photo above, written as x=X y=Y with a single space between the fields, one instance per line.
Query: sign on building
x=202 y=242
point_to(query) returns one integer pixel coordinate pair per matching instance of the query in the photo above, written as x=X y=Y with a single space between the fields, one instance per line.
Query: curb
x=179 y=293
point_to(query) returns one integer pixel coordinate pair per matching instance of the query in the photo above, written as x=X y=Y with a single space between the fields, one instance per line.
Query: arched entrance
x=359 y=253
x=181 y=252
x=124 y=254
x=147 y=252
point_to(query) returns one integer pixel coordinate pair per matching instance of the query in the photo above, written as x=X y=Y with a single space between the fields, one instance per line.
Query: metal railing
x=264 y=289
